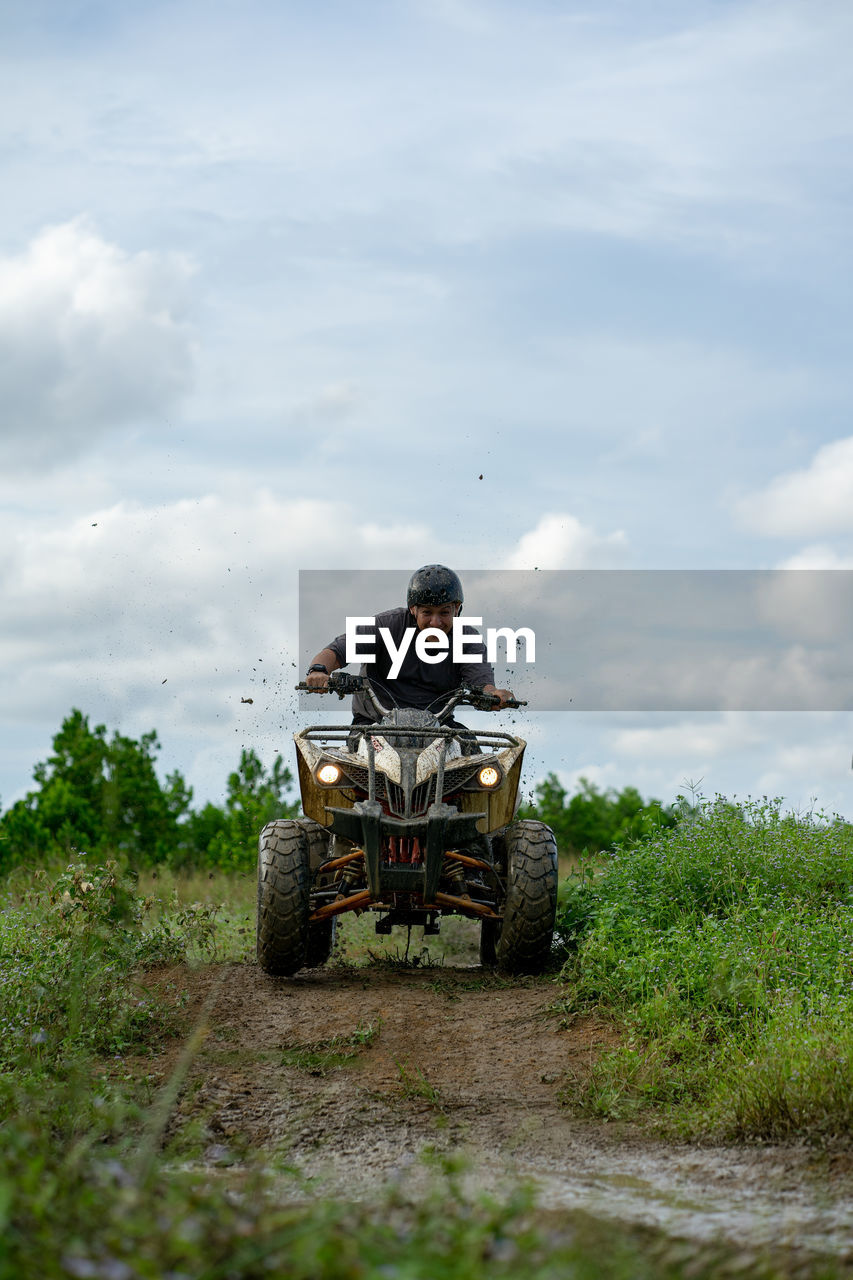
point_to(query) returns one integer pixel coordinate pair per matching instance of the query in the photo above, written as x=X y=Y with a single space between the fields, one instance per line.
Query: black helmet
x=434 y=584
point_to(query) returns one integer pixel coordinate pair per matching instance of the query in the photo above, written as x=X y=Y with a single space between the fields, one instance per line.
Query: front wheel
x=522 y=943
x=284 y=890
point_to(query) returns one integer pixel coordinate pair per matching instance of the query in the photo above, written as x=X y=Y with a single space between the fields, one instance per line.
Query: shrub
x=705 y=941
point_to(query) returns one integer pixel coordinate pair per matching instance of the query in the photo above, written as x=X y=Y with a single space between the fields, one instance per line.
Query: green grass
x=87 y=1189
x=319 y=1057
x=414 y=1085
x=725 y=949
x=225 y=902
x=71 y=949
x=229 y=903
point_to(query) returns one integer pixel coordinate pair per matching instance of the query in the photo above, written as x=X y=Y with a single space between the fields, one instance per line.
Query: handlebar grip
x=483 y=701
x=340 y=682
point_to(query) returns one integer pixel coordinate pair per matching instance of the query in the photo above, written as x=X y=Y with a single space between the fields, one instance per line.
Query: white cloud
x=812 y=771
x=91 y=338
x=816 y=500
x=560 y=541
x=797 y=756
x=693 y=127
x=692 y=743
x=158 y=615
x=794 y=755
x=818 y=556
x=198 y=574
x=477 y=120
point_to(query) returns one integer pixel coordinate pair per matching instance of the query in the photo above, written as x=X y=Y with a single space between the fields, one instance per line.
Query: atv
x=410 y=818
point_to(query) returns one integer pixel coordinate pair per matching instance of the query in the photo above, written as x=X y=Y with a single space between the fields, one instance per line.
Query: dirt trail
x=457 y=1060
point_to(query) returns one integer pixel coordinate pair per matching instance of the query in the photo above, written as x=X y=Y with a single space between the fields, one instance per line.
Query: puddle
x=704 y=1195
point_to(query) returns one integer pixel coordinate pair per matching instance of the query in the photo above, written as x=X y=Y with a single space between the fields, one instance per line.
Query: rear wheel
x=490 y=932
x=321 y=933
x=522 y=942
x=321 y=939
x=284 y=887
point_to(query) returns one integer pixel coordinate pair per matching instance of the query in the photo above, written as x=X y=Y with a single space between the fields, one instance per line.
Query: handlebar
x=343 y=683
x=340 y=682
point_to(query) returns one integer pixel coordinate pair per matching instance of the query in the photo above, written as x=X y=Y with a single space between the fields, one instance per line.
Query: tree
x=97 y=797
x=141 y=818
x=104 y=797
x=592 y=819
x=255 y=796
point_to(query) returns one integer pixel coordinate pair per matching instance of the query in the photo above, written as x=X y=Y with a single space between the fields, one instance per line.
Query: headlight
x=489 y=776
x=327 y=775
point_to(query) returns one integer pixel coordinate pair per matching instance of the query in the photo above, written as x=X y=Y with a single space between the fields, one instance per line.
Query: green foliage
x=86 y=1191
x=214 y=911
x=716 y=943
x=255 y=797
x=794 y=1076
x=70 y=950
x=592 y=820
x=96 y=796
x=104 y=798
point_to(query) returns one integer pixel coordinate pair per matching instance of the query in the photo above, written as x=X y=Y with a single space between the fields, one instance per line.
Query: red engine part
x=404 y=849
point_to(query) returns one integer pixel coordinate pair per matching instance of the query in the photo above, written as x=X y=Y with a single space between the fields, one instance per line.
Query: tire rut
x=458 y=1060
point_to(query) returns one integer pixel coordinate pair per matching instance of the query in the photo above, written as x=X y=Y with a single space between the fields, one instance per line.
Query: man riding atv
x=406 y=813
x=434 y=598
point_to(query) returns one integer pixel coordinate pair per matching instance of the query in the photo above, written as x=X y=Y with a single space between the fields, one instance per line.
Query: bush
x=103 y=798
x=255 y=797
x=707 y=940
x=593 y=820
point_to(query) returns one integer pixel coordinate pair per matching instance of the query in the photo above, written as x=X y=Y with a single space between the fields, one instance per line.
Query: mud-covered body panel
x=497 y=807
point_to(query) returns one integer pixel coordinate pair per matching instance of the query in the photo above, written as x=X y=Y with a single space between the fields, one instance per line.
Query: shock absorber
x=455 y=873
x=351 y=878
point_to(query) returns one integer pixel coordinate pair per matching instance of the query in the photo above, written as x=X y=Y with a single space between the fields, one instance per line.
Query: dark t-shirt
x=418 y=683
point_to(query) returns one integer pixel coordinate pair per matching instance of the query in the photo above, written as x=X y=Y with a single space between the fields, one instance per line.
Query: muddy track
x=457 y=1060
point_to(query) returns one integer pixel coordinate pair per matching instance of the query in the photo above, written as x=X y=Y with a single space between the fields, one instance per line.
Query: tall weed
x=705 y=941
x=70 y=949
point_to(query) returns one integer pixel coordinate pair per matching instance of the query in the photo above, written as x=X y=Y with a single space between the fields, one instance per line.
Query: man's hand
x=505 y=695
x=320 y=679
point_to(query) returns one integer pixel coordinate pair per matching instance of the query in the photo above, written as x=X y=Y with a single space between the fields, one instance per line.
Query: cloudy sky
x=287 y=286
